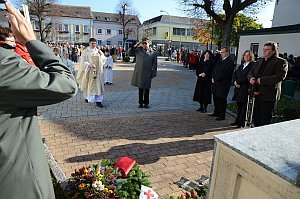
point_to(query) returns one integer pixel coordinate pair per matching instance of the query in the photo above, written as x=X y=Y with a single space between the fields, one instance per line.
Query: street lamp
x=169 y=42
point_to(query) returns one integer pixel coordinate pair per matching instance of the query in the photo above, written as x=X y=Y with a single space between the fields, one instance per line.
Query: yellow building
x=171 y=32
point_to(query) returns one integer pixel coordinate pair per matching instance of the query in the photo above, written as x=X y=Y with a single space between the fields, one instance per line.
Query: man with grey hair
x=267 y=75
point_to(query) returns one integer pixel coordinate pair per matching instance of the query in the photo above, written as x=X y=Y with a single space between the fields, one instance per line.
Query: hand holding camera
x=21 y=28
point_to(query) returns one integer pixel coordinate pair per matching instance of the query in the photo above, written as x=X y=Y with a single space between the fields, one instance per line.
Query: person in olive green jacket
x=24 y=171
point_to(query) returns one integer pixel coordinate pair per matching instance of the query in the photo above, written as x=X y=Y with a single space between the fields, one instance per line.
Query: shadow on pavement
x=149 y=153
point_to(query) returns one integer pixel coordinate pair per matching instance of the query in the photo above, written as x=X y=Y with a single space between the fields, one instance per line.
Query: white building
x=172 y=31
x=71 y=24
x=108 y=29
x=285 y=31
x=3 y=19
x=286 y=12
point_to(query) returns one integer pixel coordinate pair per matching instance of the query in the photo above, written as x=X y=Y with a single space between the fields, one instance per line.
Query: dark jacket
x=22 y=88
x=240 y=75
x=222 y=75
x=270 y=78
x=202 y=92
x=145 y=68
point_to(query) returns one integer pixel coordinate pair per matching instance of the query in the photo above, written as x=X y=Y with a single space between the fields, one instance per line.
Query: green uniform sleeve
x=26 y=86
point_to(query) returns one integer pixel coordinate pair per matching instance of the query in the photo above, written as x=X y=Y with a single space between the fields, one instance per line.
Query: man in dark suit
x=267 y=75
x=221 y=82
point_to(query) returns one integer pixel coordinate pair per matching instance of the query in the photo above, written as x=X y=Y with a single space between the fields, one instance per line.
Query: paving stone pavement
x=169 y=140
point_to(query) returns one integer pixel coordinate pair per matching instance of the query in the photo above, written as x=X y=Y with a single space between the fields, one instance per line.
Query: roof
x=112 y=17
x=275 y=30
x=83 y=12
x=172 y=19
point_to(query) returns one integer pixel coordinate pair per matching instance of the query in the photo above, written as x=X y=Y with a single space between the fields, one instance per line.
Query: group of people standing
x=96 y=66
x=265 y=76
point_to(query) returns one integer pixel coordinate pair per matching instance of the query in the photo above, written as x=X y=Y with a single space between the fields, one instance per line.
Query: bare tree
x=126 y=16
x=41 y=12
x=213 y=8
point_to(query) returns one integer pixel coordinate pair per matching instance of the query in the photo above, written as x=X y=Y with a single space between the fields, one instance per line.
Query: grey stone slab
x=276 y=147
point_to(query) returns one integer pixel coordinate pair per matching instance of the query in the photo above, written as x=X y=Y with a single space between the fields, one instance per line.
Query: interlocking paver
x=169 y=140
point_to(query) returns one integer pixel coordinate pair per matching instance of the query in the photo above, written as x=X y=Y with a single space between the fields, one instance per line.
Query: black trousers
x=144 y=96
x=262 y=114
x=241 y=113
x=220 y=106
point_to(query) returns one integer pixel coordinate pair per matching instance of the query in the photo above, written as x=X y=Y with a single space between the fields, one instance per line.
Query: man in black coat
x=267 y=75
x=221 y=82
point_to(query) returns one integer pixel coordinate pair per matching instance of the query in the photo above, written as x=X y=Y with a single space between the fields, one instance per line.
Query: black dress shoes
x=99 y=104
x=86 y=101
x=200 y=110
x=141 y=106
x=213 y=115
x=146 y=106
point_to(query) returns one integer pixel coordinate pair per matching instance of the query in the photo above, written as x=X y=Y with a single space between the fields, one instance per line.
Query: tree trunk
x=226 y=31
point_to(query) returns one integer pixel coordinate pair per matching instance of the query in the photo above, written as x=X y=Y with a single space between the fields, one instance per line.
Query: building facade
x=3 y=19
x=72 y=24
x=286 y=13
x=108 y=29
x=172 y=32
x=285 y=31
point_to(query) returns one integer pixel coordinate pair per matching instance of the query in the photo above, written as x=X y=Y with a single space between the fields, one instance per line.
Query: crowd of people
x=215 y=77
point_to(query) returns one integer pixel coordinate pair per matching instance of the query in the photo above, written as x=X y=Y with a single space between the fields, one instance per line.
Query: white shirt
x=224 y=58
x=245 y=65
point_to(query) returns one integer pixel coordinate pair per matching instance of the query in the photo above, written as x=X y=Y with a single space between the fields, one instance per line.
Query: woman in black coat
x=242 y=84
x=204 y=70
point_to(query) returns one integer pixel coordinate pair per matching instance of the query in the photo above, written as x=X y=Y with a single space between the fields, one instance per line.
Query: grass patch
x=287 y=109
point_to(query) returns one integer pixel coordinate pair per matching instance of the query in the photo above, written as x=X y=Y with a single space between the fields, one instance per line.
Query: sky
x=151 y=8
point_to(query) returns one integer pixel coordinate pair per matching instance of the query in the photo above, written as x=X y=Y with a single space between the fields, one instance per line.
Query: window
x=99 y=31
x=60 y=27
x=254 y=47
x=120 y=32
x=66 y=27
x=77 y=28
x=99 y=42
x=120 y=43
x=107 y=18
x=36 y=25
x=179 y=31
x=108 y=31
x=189 y=32
x=154 y=31
x=108 y=43
x=86 y=28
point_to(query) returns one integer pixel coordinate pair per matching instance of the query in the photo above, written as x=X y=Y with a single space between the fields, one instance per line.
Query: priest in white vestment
x=90 y=74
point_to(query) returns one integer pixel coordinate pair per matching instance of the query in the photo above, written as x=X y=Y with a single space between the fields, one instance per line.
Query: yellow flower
x=105 y=190
x=81 y=186
x=110 y=191
x=86 y=171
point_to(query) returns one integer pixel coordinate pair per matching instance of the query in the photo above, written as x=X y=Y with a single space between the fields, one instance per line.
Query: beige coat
x=91 y=80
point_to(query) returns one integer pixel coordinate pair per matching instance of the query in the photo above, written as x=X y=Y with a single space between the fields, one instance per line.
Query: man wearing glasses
x=267 y=75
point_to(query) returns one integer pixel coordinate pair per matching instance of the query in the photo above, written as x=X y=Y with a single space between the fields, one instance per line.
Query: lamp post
x=169 y=42
x=123 y=23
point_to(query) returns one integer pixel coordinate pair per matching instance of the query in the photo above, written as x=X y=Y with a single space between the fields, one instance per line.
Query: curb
x=56 y=170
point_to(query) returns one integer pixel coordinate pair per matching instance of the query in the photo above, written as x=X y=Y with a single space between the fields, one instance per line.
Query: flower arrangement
x=103 y=180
